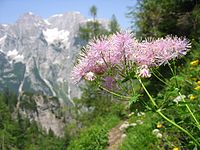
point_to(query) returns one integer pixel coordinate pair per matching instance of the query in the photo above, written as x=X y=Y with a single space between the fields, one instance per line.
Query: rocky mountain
x=36 y=59
x=37 y=55
x=46 y=111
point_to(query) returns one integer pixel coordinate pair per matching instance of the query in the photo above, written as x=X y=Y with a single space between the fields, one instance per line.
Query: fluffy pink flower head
x=92 y=60
x=170 y=48
x=122 y=45
x=160 y=51
x=107 y=52
x=143 y=54
x=79 y=71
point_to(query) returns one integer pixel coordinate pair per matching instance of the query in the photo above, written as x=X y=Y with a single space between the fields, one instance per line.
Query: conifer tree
x=114 y=26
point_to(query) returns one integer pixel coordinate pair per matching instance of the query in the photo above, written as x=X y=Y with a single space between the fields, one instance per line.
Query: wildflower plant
x=120 y=59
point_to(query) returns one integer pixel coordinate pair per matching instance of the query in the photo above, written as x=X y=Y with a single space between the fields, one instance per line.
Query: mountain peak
x=44 y=50
x=29 y=18
x=30 y=13
x=57 y=15
x=65 y=14
x=40 y=48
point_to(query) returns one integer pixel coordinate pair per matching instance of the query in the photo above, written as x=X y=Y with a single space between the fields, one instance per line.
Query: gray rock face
x=37 y=55
x=46 y=111
x=36 y=59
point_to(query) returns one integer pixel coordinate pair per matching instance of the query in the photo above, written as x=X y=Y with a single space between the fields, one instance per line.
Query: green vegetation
x=94 y=138
x=161 y=17
x=94 y=114
x=22 y=134
x=157 y=19
x=94 y=28
x=140 y=137
x=97 y=111
x=109 y=111
x=187 y=79
x=101 y=114
x=95 y=135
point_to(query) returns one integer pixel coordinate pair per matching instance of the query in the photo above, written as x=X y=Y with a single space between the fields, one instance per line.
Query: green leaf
x=125 y=79
x=134 y=99
x=131 y=75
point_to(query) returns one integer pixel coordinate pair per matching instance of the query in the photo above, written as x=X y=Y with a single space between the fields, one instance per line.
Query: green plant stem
x=158 y=73
x=174 y=74
x=174 y=63
x=151 y=98
x=113 y=93
x=166 y=118
x=190 y=111
x=176 y=125
x=171 y=69
x=188 y=108
x=158 y=78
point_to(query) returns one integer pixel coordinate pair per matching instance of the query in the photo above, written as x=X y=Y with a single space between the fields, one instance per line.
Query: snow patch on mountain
x=47 y=22
x=47 y=49
x=61 y=80
x=2 y=39
x=47 y=82
x=14 y=55
x=57 y=15
x=77 y=12
x=49 y=85
x=30 y=13
x=20 y=86
x=4 y=25
x=52 y=35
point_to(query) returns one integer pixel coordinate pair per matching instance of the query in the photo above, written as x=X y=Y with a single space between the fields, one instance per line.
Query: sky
x=11 y=10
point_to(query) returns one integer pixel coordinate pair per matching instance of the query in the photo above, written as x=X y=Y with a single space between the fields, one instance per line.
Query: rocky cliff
x=37 y=55
x=36 y=59
x=46 y=111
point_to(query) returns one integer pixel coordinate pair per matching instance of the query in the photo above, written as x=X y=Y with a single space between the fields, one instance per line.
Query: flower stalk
x=115 y=94
x=117 y=51
x=176 y=125
x=150 y=97
x=166 y=118
x=191 y=113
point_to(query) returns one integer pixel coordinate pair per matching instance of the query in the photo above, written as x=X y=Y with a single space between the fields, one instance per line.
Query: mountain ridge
x=40 y=54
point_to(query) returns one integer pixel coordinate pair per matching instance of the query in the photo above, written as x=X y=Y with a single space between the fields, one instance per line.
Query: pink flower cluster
x=101 y=54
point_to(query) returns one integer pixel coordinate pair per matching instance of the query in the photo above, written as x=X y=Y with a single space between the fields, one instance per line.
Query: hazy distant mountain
x=37 y=55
